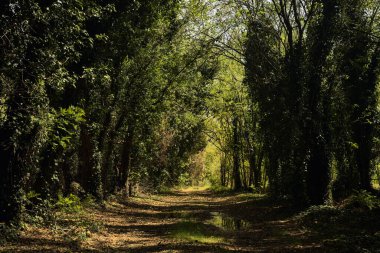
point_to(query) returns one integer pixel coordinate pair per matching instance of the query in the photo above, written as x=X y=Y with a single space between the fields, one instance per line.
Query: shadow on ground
x=184 y=222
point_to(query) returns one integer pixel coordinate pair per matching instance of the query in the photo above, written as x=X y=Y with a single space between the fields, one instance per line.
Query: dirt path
x=197 y=221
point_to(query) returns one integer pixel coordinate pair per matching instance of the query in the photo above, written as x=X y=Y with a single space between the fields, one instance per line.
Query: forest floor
x=180 y=221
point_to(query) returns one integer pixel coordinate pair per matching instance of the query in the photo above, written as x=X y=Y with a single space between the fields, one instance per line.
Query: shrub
x=39 y=212
x=362 y=200
x=8 y=233
x=70 y=204
x=318 y=215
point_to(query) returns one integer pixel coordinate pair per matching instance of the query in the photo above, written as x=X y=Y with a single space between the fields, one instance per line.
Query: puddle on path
x=226 y=222
x=218 y=219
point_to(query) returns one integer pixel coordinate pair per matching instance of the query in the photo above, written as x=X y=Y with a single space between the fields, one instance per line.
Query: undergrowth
x=66 y=217
x=350 y=226
x=220 y=189
x=8 y=233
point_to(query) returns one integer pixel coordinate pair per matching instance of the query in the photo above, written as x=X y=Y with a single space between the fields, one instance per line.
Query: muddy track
x=197 y=221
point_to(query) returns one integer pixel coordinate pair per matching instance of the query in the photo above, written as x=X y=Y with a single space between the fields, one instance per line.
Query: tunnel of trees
x=277 y=96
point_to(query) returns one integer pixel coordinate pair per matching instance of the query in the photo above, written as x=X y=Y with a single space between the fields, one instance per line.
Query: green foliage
x=66 y=127
x=343 y=228
x=8 y=233
x=350 y=212
x=39 y=212
x=64 y=216
x=323 y=76
x=220 y=189
x=362 y=200
x=184 y=180
x=319 y=216
x=164 y=189
x=79 y=230
x=69 y=204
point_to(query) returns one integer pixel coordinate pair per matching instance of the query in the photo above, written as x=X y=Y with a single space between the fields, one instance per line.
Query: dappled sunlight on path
x=186 y=221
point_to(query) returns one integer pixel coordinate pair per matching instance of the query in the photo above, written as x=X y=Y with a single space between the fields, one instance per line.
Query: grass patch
x=244 y=193
x=164 y=190
x=250 y=196
x=194 y=188
x=220 y=189
x=146 y=199
x=194 y=232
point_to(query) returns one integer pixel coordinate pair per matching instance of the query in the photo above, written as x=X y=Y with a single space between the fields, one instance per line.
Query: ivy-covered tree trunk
x=363 y=126
x=10 y=178
x=16 y=153
x=318 y=136
x=360 y=63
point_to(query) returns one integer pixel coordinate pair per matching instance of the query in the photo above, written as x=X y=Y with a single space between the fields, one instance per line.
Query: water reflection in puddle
x=226 y=222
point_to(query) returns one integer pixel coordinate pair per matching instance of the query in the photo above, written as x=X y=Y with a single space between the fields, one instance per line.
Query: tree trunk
x=223 y=165
x=89 y=174
x=273 y=166
x=85 y=153
x=257 y=170
x=108 y=150
x=252 y=165
x=236 y=155
x=125 y=163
